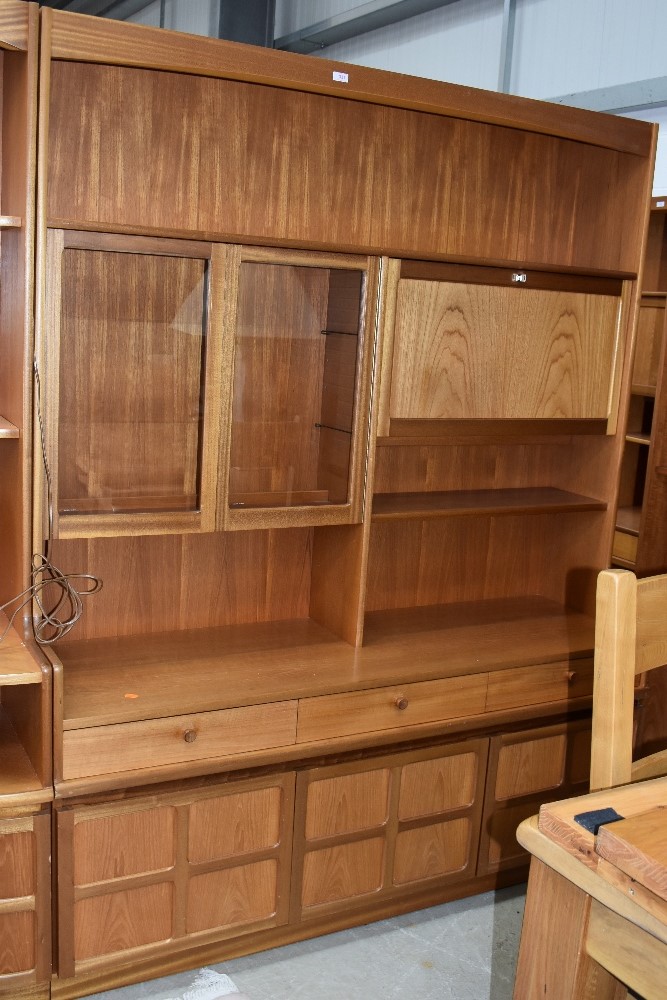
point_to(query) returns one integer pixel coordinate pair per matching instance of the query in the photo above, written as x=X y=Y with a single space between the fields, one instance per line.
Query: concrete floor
x=465 y=950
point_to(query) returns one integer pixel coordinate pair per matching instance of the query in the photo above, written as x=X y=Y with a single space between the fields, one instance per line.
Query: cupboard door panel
x=16 y=864
x=530 y=766
x=526 y=769
x=434 y=786
x=205 y=859
x=387 y=826
x=232 y=897
x=122 y=921
x=429 y=851
x=25 y=902
x=347 y=803
x=343 y=872
x=17 y=943
x=133 y=843
x=233 y=825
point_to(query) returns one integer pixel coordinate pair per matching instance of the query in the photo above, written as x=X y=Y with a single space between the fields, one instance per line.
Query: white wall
x=197 y=17
x=565 y=46
x=560 y=46
x=459 y=43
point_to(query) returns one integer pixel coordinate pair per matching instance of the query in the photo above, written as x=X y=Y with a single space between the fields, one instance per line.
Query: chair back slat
x=651 y=623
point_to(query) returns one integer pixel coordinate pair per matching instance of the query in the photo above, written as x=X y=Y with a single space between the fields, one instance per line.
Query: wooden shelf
x=127 y=679
x=17 y=775
x=454 y=503
x=7 y=429
x=627 y=519
x=10 y=222
x=16 y=664
x=643 y=390
x=638 y=438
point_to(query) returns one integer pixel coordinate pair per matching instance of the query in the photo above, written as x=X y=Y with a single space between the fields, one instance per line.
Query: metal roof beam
x=357 y=21
x=634 y=96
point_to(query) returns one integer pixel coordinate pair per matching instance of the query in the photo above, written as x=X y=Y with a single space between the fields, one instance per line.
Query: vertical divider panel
x=226 y=261
x=340 y=555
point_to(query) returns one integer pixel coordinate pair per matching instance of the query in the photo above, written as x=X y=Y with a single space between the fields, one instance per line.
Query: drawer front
x=391 y=708
x=625 y=546
x=132 y=745
x=537 y=685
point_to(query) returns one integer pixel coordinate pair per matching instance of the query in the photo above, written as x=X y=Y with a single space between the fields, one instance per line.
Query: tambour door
x=129 y=372
x=171 y=871
x=387 y=827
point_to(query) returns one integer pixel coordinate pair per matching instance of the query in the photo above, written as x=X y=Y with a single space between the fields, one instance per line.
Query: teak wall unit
x=640 y=540
x=25 y=673
x=332 y=380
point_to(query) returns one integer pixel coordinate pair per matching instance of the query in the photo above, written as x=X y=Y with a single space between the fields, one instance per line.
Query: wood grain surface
x=325 y=171
x=476 y=351
x=638 y=846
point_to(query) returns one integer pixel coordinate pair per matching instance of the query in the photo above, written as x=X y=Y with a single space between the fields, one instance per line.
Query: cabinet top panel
x=91 y=39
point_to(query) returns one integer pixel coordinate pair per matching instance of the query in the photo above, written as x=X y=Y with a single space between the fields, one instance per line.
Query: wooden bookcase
x=640 y=542
x=640 y=539
x=25 y=672
x=332 y=383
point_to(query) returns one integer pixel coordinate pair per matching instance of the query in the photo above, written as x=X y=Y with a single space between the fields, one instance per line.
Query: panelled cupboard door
x=130 y=359
x=525 y=770
x=25 y=903
x=386 y=827
x=299 y=333
x=172 y=871
x=483 y=343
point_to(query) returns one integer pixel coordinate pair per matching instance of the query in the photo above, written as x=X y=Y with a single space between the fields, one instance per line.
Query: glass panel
x=295 y=369
x=131 y=382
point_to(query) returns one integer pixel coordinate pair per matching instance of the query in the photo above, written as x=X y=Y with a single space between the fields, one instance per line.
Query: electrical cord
x=60 y=614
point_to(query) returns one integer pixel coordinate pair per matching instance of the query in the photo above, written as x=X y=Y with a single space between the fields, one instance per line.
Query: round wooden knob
x=571 y=676
x=190 y=735
x=401 y=703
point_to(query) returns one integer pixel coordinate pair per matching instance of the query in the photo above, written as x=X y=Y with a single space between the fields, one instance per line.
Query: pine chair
x=630 y=639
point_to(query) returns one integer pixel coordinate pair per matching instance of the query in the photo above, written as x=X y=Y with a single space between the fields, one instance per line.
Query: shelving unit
x=341 y=437
x=25 y=675
x=640 y=541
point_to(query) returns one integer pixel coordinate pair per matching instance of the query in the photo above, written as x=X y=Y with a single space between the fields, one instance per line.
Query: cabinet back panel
x=130 y=381
x=650 y=326
x=219 y=156
x=422 y=562
x=277 y=378
x=167 y=582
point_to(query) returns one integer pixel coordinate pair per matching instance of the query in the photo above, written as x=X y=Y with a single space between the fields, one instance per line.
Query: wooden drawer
x=535 y=685
x=131 y=745
x=624 y=547
x=391 y=707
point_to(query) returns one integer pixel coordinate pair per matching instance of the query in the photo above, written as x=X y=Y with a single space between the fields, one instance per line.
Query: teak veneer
x=339 y=427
